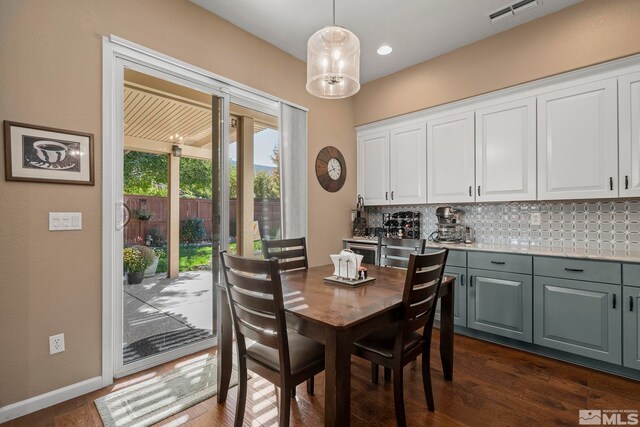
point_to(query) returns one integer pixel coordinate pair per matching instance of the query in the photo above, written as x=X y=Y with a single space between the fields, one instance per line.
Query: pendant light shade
x=333 y=63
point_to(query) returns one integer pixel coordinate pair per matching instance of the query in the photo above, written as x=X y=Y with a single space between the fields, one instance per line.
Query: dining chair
x=278 y=355
x=399 y=343
x=394 y=252
x=291 y=253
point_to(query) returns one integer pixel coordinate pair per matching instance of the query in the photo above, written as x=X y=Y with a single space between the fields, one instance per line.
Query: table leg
x=446 y=331
x=224 y=356
x=337 y=411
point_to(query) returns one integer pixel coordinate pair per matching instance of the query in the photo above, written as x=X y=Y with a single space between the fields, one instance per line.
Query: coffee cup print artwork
x=48 y=154
x=36 y=153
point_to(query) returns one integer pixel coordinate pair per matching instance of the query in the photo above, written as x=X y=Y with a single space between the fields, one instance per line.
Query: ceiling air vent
x=512 y=9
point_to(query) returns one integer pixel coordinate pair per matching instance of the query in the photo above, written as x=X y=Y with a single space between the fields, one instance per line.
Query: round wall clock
x=331 y=169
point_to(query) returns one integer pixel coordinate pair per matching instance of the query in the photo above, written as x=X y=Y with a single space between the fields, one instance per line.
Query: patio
x=161 y=314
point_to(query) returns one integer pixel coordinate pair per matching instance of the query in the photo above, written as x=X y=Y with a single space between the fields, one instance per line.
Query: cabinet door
x=629 y=110
x=506 y=152
x=460 y=295
x=408 y=166
x=450 y=159
x=578 y=317
x=631 y=325
x=373 y=168
x=578 y=142
x=500 y=303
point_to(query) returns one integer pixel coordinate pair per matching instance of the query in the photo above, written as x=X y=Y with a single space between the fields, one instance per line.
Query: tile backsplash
x=599 y=224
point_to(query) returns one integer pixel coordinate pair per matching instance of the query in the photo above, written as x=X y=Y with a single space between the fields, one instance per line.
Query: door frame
x=117 y=54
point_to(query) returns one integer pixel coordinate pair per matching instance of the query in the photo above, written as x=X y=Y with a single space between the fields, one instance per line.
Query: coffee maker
x=449 y=230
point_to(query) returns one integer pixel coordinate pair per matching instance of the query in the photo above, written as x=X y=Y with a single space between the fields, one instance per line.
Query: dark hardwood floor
x=492 y=386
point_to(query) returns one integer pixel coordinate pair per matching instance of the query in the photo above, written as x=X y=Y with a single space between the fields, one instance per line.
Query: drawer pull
x=614 y=301
x=630 y=303
x=462 y=280
x=498 y=262
x=471 y=281
x=575 y=270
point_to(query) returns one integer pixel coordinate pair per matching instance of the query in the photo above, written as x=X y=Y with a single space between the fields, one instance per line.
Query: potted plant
x=157 y=253
x=135 y=263
x=144 y=214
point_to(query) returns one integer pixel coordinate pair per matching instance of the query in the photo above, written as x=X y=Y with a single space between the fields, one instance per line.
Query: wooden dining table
x=336 y=315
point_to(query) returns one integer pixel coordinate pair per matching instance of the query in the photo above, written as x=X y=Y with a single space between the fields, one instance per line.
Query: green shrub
x=192 y=230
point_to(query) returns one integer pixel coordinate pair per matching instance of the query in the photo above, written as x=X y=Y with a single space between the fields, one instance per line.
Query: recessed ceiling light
x=384 y=50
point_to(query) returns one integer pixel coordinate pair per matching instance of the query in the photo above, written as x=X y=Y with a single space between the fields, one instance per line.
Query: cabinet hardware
x=462 y=280
x=471 y=281
x=614 y=301
x=386 y=195
x=498 y=262
x=611 y=183
x=576 y=270
x=392 y=195
x=470 y=191
x=626 y=182
x=630 y=303
x=478 y=190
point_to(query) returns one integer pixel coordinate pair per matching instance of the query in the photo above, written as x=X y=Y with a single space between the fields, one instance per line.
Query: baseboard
x=51 y=398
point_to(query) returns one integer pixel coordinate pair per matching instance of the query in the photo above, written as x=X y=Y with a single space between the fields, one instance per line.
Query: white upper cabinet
x=506 y=152
x=450 y=159
x=577 y=142
x=373 y=168
x=408 y=165
x=629 y=111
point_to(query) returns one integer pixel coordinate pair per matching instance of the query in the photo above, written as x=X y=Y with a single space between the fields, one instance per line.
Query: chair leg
x=241 y=400
x=293 y=392
x=310 y=386
x=398 y=395
x=426 y=380
x=374 y=373
x=387 y=375
x=285 y=407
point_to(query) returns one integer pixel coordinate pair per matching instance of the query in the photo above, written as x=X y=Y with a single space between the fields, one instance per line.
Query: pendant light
x=333 y=62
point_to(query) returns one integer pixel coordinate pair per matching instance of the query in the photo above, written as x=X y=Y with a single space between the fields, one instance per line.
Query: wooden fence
x=266 y=212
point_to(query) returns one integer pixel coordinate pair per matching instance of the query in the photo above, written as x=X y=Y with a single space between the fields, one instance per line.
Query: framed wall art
x=42 y=154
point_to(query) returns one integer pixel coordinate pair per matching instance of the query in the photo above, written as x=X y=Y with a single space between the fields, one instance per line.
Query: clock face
x=334 y=168
x=331 y=169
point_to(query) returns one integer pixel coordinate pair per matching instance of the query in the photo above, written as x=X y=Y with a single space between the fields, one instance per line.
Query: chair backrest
x=254 y=291
x=422 y=285
x=394 y=252
x=291 y=253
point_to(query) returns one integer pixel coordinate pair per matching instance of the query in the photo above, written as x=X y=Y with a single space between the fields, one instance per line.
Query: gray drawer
x=454 y=259
x=631 y=274
x=590 y=271
x=501 y=262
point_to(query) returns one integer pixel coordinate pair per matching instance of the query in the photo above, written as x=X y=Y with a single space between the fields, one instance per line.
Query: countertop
x=593 y=254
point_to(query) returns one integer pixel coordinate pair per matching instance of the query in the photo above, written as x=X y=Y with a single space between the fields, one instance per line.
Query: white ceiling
x=417 y=30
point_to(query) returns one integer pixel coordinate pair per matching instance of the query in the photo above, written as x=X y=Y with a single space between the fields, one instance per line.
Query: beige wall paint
x=587 y=33
x=51 y=74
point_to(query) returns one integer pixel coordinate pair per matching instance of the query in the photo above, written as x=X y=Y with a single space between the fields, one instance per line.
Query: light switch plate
x=64 y=221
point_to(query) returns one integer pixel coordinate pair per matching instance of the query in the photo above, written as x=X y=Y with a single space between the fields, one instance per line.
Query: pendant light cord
x=334 y=13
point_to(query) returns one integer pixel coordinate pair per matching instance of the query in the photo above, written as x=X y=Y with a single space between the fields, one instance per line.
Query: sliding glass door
x=172 y=194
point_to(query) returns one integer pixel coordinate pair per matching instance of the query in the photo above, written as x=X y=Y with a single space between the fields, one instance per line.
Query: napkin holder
x=346 y=264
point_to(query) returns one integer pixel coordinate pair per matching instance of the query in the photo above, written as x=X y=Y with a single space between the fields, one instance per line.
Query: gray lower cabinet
x=582 y=318
x=631 y=327
x=460 y=294
x=500 y=303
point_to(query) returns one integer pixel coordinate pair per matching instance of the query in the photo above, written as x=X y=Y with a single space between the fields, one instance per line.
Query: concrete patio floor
x=162 y=314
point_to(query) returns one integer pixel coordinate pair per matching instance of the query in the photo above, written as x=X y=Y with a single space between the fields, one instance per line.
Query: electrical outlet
x=535 y=218
x=56 y=344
